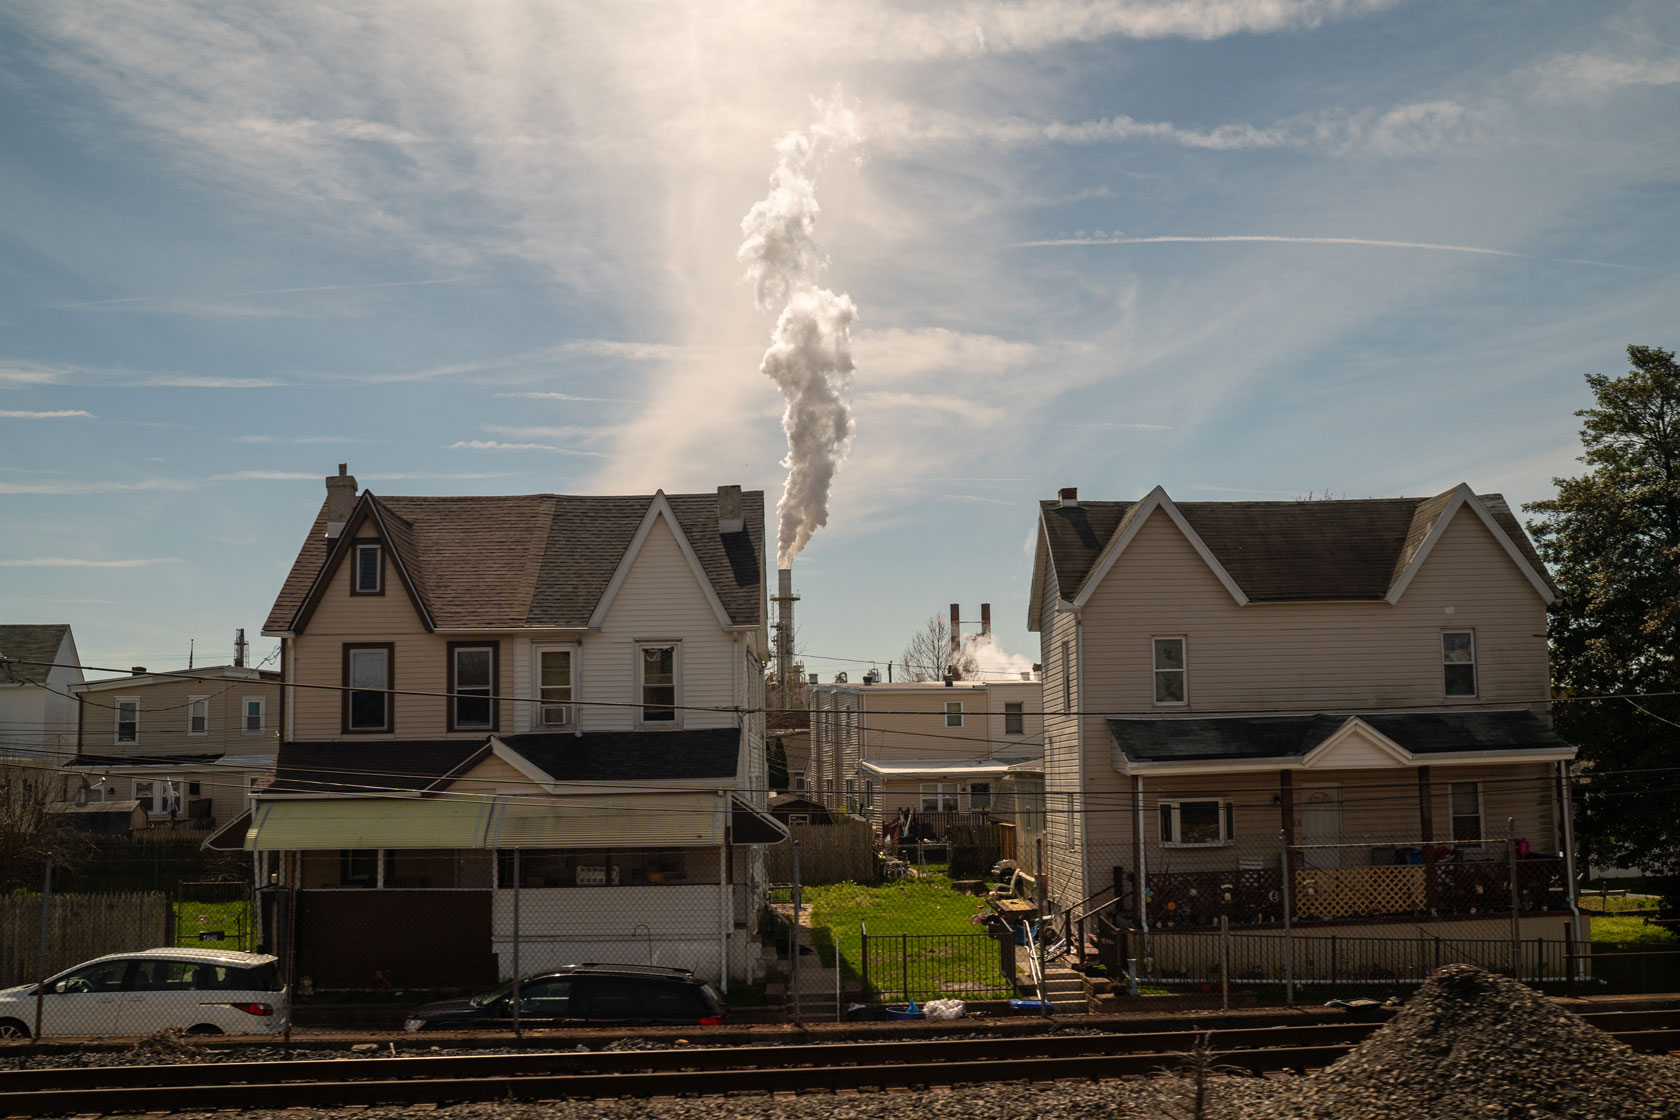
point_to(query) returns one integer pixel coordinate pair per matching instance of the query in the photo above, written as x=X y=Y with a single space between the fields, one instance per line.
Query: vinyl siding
x=163 y=717
x=1063 y=796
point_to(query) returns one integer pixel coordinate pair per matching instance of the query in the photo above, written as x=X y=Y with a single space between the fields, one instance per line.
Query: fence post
x=1288 y=925
x=1516 y=903
x=41 y=959
x=516 y=943
x=1569 y=958
x=793 y=936
x=863 y=951
x=1333 y=944
x=904 y=963
x=1224 y=962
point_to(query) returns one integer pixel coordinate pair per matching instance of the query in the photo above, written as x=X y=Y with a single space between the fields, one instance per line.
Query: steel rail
x=796 y=1069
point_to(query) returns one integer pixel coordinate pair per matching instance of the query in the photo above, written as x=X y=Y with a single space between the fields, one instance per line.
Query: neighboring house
x=559 y=694
x=188 y=745
x=916 y=758
x=38 y=667
x=1359 y=684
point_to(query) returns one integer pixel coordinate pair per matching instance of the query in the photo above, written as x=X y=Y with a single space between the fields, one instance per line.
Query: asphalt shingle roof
x=30 y=643
x=615 y=756
x=1280 y=551
x=381 y=766
x=536 y=560
x=1230 y=739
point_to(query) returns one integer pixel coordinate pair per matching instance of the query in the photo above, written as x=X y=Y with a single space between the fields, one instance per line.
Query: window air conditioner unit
x=556 y=715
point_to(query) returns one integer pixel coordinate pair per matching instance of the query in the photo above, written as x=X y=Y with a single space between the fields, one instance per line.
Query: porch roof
x=935 y=767
x=1303 y=741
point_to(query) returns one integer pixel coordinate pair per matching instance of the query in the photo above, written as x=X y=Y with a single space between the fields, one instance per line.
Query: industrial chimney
x=784 y=600
x=985 y=619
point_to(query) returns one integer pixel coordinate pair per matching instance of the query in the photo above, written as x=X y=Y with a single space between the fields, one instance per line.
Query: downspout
x=1141 y=889
x=723 y=891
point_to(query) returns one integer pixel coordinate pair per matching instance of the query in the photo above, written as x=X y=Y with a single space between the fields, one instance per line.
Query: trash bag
x=945 y=1009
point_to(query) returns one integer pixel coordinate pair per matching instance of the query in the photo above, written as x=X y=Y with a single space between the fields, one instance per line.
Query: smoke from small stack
x=810 y=354
x=979 y=657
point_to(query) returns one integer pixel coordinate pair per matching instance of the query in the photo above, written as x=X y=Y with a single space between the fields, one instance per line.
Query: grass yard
x=233 y=919
x=1620 y=919
x=904 y=906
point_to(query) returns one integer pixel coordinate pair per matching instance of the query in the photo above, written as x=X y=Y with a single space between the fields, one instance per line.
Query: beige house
x=550 y=696
x=917 y=757
x=1337 y=707
x=189 y=746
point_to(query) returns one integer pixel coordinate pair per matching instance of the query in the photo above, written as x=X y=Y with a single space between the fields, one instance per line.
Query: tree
x=1612 y=540
x=927 y=656
x=28 y=832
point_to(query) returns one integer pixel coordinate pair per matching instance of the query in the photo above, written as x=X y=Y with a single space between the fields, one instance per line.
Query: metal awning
x=367 y=822
x=671 y=820
x=749 y=826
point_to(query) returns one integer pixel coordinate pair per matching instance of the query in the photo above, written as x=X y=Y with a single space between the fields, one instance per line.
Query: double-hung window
x=1466 y=810
x=979 y=795
x=198 y=715
x=368 y=576
x=1014 y=719
x=1458 y=661
x=252 y=715
x=554 y=687
x=1170 y=671
x=128 y=722
x=656 y=667
x=367 y=682
x=1202 y=822
x=472 y=686
x=953 y=713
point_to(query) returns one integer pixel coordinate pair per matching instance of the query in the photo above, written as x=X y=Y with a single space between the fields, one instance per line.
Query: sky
x=1243 y=249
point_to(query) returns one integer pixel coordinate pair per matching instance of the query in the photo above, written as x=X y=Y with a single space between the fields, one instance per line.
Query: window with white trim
x=147 y=793
x=1458 y=661
x=369 y=575
x=1466 y=810
x=1014 y=719
x=656 y=668
x=554 y=687
x=253 y=715
x=940 y=797
x=1200 y=823
x=1170 y=671
x=979 y=795
x=796 y=781
x=472 y=679
x=198 y=715
x=953 y=713
x=128 y=721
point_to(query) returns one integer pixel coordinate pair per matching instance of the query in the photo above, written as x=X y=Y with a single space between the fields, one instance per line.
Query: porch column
x=1566 y=810
x=1286 y=803
x=1140 y=885
x=1426 y=832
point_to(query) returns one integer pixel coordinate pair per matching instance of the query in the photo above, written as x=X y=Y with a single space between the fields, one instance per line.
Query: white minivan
x=201 y=991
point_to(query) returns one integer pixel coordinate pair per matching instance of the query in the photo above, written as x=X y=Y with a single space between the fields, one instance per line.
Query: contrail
x=1431 y=246
x=810 y=354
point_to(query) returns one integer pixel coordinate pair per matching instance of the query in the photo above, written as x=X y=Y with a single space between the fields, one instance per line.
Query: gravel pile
x=1474 y=1046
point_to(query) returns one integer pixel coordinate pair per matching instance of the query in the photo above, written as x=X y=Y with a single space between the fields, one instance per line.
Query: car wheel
x=204 y=1028
x=12 y=1028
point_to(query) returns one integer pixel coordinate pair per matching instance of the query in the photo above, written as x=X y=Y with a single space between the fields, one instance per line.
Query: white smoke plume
x=981 y=658
x=810 y=354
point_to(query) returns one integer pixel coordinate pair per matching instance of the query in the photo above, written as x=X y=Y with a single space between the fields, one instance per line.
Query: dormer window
x=369 y=575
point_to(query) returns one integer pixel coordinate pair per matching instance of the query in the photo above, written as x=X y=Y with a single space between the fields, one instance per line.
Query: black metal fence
x=924 y=966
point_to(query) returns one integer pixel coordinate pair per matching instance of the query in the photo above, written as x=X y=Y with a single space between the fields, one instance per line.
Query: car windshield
x=492 y=996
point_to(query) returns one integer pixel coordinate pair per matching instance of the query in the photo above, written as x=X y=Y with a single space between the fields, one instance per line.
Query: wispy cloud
x=217 y=304
x=268 y=476
x=71 y=486
x=927 y=408
x=564 y=397
x=1591 y=74
x=78 y=562
x=548 y=432
x=498 y=445
x=1277 y=239
x=1111 y=426
x=27 y=373
x=187 y=381
x=295 y=439
x=61 y=414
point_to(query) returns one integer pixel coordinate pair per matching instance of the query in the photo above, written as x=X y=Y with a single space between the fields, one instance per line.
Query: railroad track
x=188 y=1087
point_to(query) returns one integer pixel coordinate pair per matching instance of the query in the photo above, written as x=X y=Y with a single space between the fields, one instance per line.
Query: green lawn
x=905 y=906
x=1620 y=919
x=232 y=918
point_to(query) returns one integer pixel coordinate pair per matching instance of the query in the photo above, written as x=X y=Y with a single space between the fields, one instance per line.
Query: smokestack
x=341 y=500
x=784 y=600
x=1068 y=496
x=985 y=619
x=730 y=517
x=240 y=645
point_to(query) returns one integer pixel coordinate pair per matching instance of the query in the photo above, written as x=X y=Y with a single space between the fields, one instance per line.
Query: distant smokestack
x=341 y=500
x=784 y=600
x=985 y=619
x=1068 y=495
x=956 y=634
x=240 y=645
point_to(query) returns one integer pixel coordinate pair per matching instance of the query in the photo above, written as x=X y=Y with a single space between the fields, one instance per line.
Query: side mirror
x=59 y=987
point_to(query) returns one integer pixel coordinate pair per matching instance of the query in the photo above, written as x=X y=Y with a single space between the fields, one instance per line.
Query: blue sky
x=1240 y=248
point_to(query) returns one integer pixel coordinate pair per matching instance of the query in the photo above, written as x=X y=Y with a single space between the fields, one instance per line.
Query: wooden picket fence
x=79 y=927
x=828 y=853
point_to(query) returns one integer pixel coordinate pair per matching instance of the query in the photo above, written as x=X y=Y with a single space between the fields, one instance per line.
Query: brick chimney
x=730 y=517
x=341 y=500
x=1069 y=495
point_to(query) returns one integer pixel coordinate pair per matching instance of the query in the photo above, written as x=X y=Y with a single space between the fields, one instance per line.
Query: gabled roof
x=1289 y=740
x=37 y=643
x=381 y=767
x=530 y=560
x=632 y=756
x=1278 y=552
